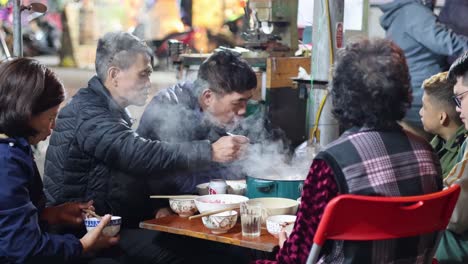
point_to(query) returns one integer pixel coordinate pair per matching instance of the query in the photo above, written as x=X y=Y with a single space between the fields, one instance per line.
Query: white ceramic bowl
x=220 y=223
x=234 y=187
x=112 y=228
x=277 y=206
x=183 y=207
x=218 y=201
x=275 y=223
x=202 y=188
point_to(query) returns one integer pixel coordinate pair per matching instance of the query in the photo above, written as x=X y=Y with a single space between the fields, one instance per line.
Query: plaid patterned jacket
x=383 y=163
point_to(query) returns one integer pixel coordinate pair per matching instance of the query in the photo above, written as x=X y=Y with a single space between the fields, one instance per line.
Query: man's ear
x=443 y=118
x=112 y=74
x=207 y=97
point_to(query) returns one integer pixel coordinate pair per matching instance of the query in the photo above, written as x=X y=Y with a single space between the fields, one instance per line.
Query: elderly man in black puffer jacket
x=95 y=155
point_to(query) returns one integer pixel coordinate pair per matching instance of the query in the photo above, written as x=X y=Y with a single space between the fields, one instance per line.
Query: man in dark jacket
x=413 y=26
x=204 y=110
x=94 y=145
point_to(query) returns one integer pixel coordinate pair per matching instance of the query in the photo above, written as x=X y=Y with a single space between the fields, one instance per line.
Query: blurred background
x=275 y=36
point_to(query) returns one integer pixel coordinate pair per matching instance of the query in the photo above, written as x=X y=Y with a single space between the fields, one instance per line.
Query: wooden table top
x=195 y=228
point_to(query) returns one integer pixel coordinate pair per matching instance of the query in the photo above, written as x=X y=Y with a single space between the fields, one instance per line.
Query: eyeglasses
x=458 y=97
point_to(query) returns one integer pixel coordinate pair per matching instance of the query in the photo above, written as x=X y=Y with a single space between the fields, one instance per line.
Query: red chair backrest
x=356 y=217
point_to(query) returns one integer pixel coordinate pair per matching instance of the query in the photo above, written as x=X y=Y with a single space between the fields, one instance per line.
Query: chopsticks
x=285 y=224
x=92 y=213
x=174 y=196
x=213 y=212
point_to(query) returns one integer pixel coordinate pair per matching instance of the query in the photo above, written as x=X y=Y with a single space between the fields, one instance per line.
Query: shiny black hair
x=459 y=68
x=225 y=72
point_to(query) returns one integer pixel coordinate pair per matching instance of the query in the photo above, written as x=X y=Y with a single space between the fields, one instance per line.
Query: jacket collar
x=453 y=143
x=98 y=87
x=355 y=129
x=20 y=141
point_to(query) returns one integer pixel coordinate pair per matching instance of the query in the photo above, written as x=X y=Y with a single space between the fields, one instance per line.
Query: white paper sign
x=353 y=12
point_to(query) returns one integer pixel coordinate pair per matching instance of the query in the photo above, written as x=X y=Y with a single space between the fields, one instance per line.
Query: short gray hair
x=118 y=49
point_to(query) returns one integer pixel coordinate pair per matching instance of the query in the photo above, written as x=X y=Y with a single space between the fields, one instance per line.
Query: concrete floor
x=74 y=79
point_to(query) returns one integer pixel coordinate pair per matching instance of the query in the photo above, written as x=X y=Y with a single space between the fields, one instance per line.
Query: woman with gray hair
x=374 y=157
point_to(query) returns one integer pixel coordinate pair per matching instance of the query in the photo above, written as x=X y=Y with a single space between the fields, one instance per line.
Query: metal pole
x=4 y=46
x=17 y=34
x=328 y=17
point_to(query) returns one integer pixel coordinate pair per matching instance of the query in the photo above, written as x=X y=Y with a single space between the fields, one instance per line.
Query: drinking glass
x=251 y=214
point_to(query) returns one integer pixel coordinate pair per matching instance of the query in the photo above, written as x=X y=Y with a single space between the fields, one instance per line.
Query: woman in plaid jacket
x=375 y=156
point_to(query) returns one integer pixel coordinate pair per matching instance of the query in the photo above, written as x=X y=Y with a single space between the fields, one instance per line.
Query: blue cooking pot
x=257 y=188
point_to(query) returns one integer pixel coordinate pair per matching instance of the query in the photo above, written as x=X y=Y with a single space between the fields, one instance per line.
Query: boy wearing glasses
x=439 y=117
x=453 y=246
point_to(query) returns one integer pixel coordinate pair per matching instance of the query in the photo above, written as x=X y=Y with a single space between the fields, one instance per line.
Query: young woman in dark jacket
x=30 y=95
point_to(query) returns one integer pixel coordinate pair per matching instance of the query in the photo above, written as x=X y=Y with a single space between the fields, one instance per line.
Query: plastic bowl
x=112 y=228
x=183 y=207
x=213 y=202
x=220 y=223
x=275 y=223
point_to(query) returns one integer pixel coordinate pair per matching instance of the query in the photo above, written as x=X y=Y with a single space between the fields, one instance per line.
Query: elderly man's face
x=133 y=84
x=460 y=90
x=226 y=110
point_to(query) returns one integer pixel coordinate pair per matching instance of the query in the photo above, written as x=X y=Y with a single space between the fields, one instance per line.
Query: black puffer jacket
x=93 y=145
x=175 y=115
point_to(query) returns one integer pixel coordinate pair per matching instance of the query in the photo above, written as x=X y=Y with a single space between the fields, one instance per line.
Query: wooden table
x=195 y=228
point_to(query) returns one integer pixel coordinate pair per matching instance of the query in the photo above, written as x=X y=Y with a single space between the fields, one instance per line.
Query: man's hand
x=163 y=212
x=67 y=214
x=229 y=148
x=95 y=240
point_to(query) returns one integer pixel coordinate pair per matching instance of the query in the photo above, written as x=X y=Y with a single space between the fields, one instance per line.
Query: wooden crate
x=280 y=70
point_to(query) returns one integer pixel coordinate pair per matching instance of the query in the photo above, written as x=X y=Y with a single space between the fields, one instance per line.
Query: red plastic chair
x=356 y=217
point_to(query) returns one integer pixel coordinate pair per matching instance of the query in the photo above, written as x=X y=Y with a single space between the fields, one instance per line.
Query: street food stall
x=270 y=39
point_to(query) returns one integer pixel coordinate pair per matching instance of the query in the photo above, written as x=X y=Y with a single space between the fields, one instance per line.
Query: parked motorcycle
x=40 y=37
